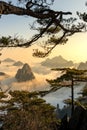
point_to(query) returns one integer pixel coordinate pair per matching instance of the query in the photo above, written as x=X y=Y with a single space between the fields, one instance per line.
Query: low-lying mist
x=39 y=83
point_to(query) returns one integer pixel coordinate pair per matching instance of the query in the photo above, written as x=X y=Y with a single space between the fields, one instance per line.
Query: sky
x=75 y=49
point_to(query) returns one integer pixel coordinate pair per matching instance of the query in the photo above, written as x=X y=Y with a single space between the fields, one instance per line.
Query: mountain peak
x=18 y=63
x=8 y=60
x=59 y=58
x=57 y=61
x=82 y=66
x=24 y=74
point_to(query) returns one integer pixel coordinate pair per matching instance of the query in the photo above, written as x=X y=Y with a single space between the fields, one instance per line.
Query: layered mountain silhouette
x=8 y=60
x=2 y=74
x=56 y=62
x=24 y=74
x=82 y=66
x=18 y=63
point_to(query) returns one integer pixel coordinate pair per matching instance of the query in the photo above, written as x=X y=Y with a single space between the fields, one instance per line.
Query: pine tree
x=70 y=75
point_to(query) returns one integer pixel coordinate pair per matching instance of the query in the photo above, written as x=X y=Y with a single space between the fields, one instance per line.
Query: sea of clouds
x=41 y=73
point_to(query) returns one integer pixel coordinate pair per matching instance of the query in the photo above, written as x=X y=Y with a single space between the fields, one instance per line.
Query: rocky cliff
x=24 y=74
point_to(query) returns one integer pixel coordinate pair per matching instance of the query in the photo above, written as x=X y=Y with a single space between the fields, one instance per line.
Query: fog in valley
x=9 y=82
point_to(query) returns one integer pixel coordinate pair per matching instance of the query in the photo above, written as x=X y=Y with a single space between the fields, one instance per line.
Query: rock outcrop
x=24 y=74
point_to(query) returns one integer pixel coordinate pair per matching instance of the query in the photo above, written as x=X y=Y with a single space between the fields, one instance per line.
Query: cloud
x=41 y=69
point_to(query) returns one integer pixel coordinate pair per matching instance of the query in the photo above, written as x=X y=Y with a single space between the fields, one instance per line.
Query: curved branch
x=6 y=9
x=44 y=54
x=54 y=18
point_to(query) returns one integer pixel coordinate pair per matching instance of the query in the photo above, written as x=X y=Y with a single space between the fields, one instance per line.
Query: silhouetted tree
x=28 y=112
x=70 y=75
x=49 y=22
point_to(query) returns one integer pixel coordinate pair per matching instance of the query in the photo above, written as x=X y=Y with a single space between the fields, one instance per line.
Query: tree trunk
x=72 y=97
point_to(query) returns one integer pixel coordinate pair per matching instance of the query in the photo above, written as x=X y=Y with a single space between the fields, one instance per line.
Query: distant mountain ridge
x=18 y=63
x=82 y=66
x=57 y=61
x=2 y=74
x=8 y=60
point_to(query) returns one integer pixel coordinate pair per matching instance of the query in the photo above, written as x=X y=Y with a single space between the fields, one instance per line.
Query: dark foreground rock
x=24 y=74
x=77 y=122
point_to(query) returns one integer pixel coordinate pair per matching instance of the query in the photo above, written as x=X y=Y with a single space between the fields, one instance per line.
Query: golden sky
x=75 y=49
